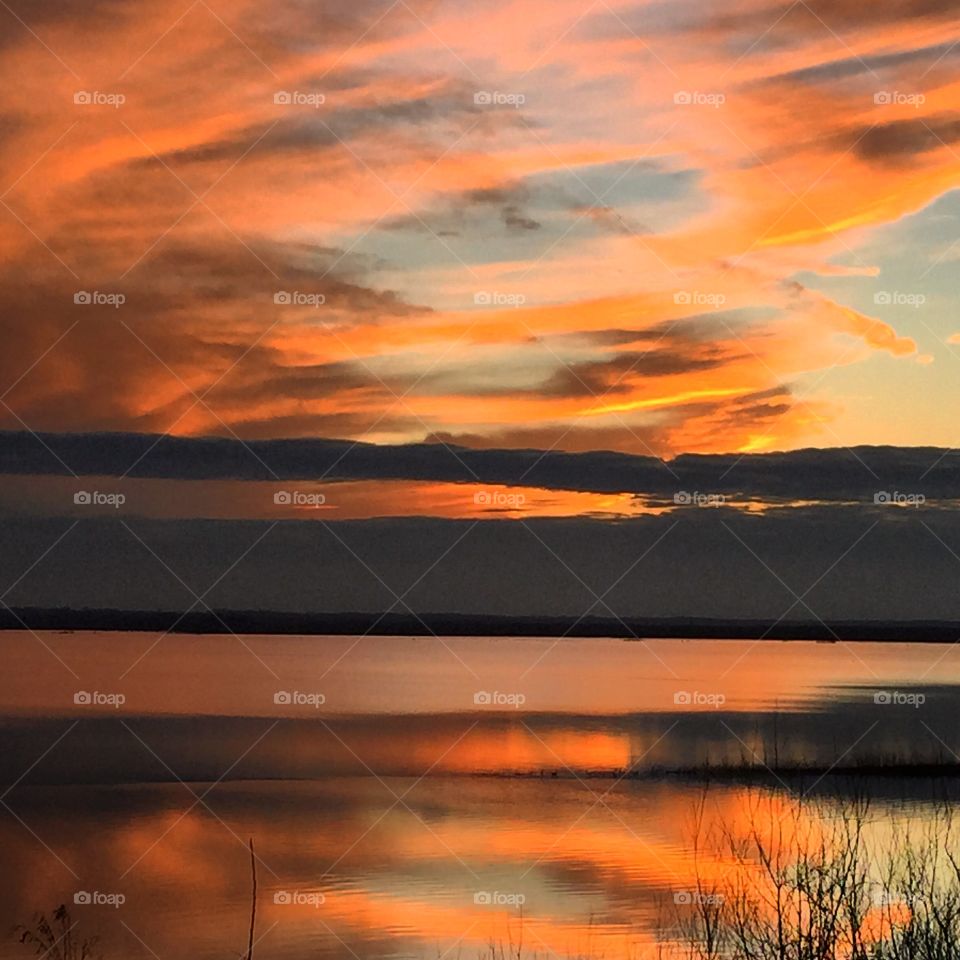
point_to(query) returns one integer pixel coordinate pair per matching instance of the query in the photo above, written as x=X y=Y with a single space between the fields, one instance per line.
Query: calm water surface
x=419 y=797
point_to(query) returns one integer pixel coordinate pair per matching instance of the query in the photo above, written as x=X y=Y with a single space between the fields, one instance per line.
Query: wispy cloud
x=458 y=206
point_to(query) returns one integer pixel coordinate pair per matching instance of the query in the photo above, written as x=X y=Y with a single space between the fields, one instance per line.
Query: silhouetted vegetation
x=822 y=881
x=55 y=938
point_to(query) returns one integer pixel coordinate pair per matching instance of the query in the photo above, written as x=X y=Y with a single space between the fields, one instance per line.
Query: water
x=402 y=818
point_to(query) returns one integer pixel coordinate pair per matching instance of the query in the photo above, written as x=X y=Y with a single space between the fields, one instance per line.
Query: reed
x=823 y=881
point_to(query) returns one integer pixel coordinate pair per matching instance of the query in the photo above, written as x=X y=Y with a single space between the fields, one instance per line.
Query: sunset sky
x=311 y=289
x=647 y=227
x=470 y=390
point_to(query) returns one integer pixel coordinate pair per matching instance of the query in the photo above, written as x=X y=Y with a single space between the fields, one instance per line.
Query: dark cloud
x=194 y=313
x=612 y=220
x=515 y=220
x=784 y=24
x=936 y=55
x=824 y=474
x=648 y=438
x=614 y=375
x=94 y=14
x=507 y=201
x=902 y=140
x=180 y=270
x=617 y=375
x=326 y=129
x=850 y=13
x=690 y=332
x=760 y=406
x=270 y=32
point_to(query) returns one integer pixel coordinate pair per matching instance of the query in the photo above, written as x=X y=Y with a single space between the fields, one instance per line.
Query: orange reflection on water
x=330 y=499
x=518 y=747
x=334 y=499
x=411 y=864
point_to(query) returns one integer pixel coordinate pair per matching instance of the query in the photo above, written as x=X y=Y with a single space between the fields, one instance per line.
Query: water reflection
x=381 y=868
x=401 y=818
x=853 y=733
x=225 y=675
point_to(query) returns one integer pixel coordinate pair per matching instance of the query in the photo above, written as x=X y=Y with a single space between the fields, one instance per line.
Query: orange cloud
x=418 y=166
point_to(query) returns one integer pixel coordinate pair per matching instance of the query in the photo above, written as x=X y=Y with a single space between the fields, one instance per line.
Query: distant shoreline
x=459 y=625
x=737 y=774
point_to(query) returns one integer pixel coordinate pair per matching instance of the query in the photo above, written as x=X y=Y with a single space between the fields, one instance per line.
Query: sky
x=653 y=227
x=431 y=310
x=385 y=265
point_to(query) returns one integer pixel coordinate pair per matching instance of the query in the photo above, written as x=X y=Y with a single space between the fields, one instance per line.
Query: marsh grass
x=775 y=878
x=54 y=938
x=787 y=878
x=822 y=880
